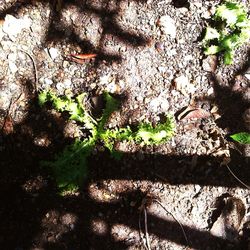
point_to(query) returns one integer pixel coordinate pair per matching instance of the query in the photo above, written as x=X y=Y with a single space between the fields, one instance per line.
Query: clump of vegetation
x=242 y=137
x=70 y=166
x=231 y=30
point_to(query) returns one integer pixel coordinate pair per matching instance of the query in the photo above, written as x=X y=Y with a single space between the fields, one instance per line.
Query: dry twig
x=146 y=228
x=183 y=231
x=143 y=208
x=231 y=172
x=35 y=69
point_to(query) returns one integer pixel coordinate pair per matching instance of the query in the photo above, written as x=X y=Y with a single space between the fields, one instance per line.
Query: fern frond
x=148 y=135
x=111 y=105
x=70 y=166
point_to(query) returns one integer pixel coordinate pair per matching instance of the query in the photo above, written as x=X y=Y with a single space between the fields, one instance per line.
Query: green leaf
x=211 y=34
x=59 y=104
x=147 y=134
x=231 y=30
x=230 y=42
x=242 y=137
x=70 y=166
x=42 y=98
x=110 y=136
x=111 y=105
x=212 y=50
x=231 y=13
x=228 y=57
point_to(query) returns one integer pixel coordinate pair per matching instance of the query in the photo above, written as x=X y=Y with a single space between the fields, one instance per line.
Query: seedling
x=243 y=137
x=231 y=29
x=70 y=166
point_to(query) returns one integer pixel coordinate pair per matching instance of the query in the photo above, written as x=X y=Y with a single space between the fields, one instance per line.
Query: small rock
x=167 y=26
x=13 y=26
x=12 y=57
x=154 y=104
x=164 y=105
x=13 y=68
x=159 y=46
x=210 y=63
x=42 y=140
x=65 y=64
x=67 y=83
x=105 y=79
x=54 y=53
x=197 y=188
x=60 y=86
x=47 y=81
x=210 y=91
x=188 y=58
x=183 y=85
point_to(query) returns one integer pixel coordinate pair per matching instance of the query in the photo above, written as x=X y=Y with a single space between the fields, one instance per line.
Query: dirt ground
x=174 y=196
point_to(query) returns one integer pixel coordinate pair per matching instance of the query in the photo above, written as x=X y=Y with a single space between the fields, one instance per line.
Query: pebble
x=54 y=53
x=183 y=85
x=209 y=64
x=164 y=105
x=159 y=46
x=12 y=57
x=47 y=81
x=60 y=86
x=13 y=26
x=167 y=25
x=67 y=83
x=154 y=104
x=12 y=67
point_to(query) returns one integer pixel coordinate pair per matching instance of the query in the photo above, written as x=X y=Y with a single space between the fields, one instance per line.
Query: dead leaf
x=228 y=223
x=215 y=112
x=193 y=113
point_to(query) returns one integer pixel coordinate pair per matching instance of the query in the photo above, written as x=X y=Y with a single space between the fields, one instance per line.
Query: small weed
x=70 y=166
x=231 y=30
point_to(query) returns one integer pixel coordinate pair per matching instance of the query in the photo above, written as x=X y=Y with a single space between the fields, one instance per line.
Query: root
x=231 y=172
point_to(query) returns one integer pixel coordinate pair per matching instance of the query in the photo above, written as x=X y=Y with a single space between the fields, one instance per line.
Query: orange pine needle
x=83 y=56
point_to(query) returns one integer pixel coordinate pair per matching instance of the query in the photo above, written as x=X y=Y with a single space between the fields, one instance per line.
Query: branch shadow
x=107 y=12
x=28 y=194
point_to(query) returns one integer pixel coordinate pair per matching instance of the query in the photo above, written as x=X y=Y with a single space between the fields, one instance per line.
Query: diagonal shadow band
x=108 y=17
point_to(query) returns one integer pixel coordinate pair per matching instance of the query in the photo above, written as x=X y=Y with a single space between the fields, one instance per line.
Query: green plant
x=243 y=137
x=231 y=30
x=70 y=166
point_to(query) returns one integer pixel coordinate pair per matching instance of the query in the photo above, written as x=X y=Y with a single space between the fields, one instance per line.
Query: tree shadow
x=106 y=11
x=28 y=193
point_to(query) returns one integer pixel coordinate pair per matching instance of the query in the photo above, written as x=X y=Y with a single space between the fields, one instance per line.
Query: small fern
x=70 y=166
x=231 y=30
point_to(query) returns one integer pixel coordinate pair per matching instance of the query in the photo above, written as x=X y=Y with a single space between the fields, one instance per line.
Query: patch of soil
x=154 y=71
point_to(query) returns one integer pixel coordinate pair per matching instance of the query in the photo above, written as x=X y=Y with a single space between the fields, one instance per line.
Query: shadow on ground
x=106 y=11
x=28 y=193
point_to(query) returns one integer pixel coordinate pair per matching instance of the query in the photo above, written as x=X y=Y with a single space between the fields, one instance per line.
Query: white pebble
x=167 y=25
x=54 y=53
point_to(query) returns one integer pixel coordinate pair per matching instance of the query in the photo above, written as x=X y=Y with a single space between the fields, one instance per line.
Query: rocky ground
x=184 y=194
